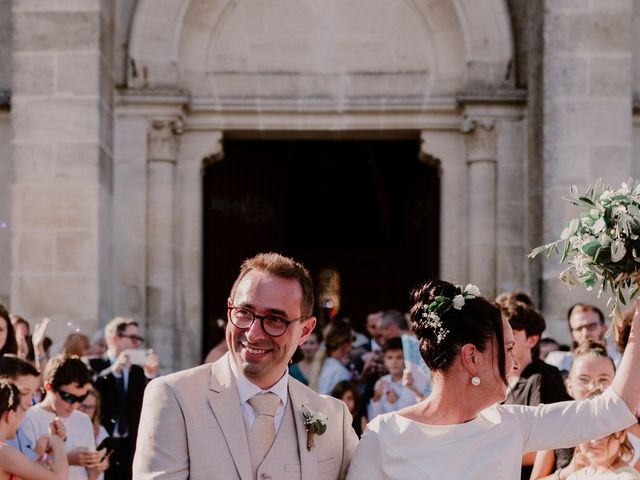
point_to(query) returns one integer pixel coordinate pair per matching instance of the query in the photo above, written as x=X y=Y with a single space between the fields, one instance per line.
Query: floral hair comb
x=441 y=305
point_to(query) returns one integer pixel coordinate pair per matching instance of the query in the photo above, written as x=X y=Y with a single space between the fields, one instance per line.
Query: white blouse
x=489 y=446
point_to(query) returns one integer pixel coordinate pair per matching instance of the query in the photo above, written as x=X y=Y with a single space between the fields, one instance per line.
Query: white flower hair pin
x=440 y=305
x=315 y=423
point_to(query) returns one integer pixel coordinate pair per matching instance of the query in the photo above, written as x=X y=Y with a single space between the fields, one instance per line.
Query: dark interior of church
x=366 y=209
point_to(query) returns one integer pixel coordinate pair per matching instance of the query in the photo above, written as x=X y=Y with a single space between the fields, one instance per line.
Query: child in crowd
x=348 y=392
x=91 y=407
x=13 y=464
x=67 y=381
x=25 y=376
x=389 y=393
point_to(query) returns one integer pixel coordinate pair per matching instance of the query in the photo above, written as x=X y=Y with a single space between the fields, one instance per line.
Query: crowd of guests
x=371 y=378
x=75 y=414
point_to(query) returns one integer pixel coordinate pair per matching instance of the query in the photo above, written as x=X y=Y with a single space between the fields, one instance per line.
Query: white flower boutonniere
x=315 y=423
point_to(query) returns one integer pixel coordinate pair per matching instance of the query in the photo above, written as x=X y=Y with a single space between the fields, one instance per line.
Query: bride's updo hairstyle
x=477 y=322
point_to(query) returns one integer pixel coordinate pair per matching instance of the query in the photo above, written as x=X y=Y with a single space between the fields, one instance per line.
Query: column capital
x=163 y=139
x=480 y=139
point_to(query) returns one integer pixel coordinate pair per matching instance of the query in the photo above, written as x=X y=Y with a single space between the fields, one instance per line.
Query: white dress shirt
x=246 y=390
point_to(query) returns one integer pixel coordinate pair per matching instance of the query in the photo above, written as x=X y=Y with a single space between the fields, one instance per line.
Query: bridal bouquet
x=602 y=245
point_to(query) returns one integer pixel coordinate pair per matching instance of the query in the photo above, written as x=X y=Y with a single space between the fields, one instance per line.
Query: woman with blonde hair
x=604 y=458
x=592 y=369
x=329 y=362
x=76 y=344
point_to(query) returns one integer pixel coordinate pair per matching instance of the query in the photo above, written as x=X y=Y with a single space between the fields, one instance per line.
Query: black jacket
x=106 y=384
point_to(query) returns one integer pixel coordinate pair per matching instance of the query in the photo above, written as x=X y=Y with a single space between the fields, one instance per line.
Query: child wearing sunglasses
x=67 y=381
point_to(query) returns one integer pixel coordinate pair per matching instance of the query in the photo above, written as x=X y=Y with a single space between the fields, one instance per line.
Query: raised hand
x=38 y=336
x=151 y=368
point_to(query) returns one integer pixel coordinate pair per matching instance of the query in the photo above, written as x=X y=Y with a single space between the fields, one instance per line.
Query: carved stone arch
x=463 y=44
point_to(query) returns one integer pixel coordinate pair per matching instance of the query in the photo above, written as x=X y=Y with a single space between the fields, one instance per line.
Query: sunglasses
x=70 y=398
x=136 y=338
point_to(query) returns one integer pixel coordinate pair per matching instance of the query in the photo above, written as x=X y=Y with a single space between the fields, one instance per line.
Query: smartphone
x=109 y=445
x=139 y=356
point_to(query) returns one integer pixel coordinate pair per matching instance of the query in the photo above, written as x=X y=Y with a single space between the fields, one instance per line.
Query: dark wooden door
x=369 y=209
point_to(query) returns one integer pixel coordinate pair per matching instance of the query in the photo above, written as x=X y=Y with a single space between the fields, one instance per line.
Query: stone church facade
x=110 y=111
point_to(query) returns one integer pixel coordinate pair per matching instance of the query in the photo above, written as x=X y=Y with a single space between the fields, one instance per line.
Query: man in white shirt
x=121 y=385
x=586 y=322
x=211 y=421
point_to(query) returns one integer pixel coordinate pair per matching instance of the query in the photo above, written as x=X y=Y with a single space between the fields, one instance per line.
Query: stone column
x=161 y=268
x=482 y=162
x=197 y=149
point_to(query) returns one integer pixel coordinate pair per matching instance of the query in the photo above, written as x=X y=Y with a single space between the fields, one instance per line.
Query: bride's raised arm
x=627 y=380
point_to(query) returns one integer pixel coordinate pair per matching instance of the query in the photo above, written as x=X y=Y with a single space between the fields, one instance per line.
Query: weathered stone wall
x=5 y=205
x=587 y=118
x=5 y=149
x=5 y=46
x=636 y=49
x=62 y=152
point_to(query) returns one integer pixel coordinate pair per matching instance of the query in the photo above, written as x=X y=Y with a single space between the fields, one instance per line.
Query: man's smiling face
x=263 y=359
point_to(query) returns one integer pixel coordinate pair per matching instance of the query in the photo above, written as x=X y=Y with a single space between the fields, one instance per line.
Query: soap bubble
x=73 y=327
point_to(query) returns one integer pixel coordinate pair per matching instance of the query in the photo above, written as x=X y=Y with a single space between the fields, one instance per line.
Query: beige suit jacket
x=192 y=427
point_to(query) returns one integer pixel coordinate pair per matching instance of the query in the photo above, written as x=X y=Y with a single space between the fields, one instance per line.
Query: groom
x=242 y=416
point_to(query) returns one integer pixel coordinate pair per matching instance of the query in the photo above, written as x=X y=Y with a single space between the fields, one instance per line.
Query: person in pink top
x=13 y=464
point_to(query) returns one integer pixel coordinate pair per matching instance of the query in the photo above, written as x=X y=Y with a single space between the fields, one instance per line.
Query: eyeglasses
x=592 y=383
x=85 y=407
x=70 y=398
x=135 y=338
x=589 y=327
x=273 y=325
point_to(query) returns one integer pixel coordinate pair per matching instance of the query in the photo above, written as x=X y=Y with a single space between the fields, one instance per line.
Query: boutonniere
x=315 y=423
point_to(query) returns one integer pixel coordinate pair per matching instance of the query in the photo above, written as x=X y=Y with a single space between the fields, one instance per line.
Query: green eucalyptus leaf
x=591 y=248
x=568 y=277
x=599 y=225
x=574 y=191
x=633 y=210
x=621 y=297
x=618 y=250
x=603 y=256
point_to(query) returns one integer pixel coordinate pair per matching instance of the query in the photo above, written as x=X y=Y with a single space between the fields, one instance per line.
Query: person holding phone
x=121 y=384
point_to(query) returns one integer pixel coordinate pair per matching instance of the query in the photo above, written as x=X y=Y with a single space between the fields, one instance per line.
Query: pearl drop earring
x=475 y=381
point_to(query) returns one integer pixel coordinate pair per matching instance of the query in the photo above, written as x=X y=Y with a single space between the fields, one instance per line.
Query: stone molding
x=474 y=38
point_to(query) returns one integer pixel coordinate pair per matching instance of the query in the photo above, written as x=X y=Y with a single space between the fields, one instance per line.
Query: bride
x=459 y=431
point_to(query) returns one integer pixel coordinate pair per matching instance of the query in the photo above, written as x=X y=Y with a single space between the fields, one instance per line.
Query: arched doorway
x=368 y=209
